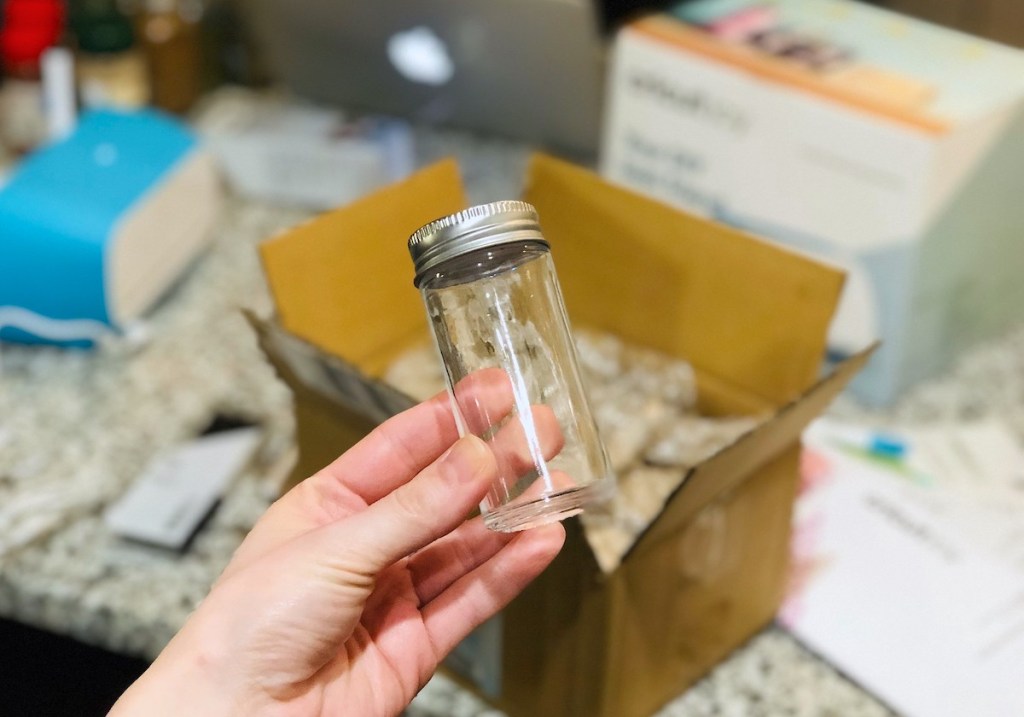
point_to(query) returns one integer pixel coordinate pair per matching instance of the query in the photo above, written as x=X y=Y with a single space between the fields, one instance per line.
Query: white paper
x=177 y=489
x=908 y=575
x=306 y=155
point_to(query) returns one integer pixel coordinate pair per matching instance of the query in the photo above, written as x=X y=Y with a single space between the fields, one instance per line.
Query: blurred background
x=150 y=148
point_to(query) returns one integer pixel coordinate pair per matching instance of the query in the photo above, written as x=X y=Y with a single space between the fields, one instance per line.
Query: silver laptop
x=532 y=69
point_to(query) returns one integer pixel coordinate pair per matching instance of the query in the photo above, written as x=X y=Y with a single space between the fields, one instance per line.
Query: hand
x=353 y=587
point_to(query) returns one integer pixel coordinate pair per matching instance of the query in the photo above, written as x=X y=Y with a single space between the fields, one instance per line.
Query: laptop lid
x=531 y=69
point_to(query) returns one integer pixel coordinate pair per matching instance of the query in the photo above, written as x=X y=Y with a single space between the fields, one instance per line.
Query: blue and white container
x=95 y=228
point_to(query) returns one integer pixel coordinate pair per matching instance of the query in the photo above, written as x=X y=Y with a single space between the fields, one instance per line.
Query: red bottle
x=28 y=29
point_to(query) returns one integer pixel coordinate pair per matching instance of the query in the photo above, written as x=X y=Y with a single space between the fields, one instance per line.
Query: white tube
x=58 y=70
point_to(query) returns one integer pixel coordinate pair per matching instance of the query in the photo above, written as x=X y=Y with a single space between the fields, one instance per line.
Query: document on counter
x=908 y=564
x=178 y=489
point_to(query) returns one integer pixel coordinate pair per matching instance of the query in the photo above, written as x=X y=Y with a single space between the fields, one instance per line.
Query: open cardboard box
x=750 y=317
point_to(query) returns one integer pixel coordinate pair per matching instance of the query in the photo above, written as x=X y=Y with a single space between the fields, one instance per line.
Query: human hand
x=353 y=587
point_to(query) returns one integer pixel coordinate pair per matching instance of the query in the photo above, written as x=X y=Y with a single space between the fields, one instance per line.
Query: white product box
x=886 y=145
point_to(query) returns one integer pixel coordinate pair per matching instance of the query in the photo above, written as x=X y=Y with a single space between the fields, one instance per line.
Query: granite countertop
x=76 y=427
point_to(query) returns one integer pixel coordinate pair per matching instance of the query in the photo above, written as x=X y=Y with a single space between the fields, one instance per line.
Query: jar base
x=549 y=509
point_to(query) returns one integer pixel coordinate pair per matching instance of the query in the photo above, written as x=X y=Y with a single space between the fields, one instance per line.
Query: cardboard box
x=890 y=147
x=750 y=317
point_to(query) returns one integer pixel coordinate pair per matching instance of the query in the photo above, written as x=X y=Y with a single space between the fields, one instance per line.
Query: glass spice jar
x=495 y=308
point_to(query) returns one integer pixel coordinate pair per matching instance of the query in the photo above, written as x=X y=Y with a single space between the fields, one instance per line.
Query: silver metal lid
x=475 y=228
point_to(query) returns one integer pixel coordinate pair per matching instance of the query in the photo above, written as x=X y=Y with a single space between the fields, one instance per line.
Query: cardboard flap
x=343 y=281
x=304 y=366
x=726 y=470
x=737 y=307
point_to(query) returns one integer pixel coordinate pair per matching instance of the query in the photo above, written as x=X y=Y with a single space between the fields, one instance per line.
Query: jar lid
x=104 y=33
x=475 y=228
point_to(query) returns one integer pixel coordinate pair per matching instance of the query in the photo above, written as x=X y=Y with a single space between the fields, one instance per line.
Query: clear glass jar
x=497 y=315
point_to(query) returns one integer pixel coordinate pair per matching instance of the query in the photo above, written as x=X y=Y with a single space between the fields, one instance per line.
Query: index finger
x=390 y=456
x=404 y=445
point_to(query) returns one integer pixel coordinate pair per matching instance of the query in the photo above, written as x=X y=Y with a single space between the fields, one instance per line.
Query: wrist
x=186 y=678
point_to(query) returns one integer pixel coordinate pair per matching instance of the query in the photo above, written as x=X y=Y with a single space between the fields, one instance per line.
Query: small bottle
x=170 y=35
x=111 y=69
x=27 y=29
x=496 y=312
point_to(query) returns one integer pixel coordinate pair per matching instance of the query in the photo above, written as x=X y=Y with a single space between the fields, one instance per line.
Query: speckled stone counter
x=76 y=427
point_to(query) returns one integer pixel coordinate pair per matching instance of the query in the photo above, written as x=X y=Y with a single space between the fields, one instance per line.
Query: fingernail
x=464 y=460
